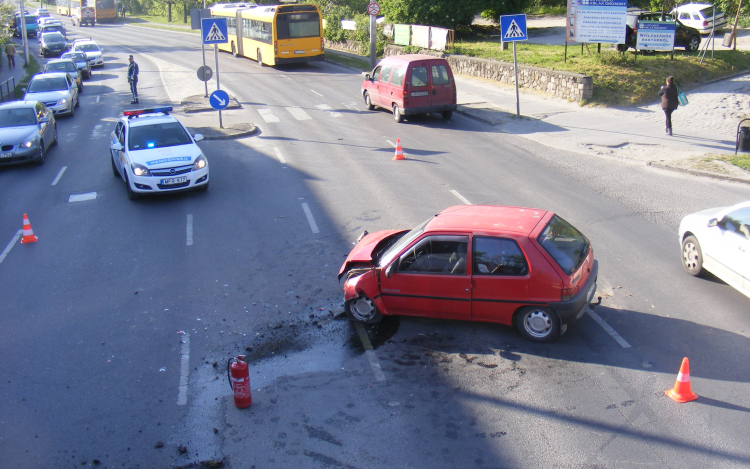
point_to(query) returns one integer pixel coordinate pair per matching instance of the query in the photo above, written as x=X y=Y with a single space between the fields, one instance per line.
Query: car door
x=419 y=85
x=735 y=237
x=383 y=86
x=430 y=279
x=442 y=83
x=45 y=126
x=118 y=136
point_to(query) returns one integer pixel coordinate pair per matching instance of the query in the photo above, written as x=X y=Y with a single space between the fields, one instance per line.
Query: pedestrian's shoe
x=133 y=101
x=670 y=132
x=666 y=130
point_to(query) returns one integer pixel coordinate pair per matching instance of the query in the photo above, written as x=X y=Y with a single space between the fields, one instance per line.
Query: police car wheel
x=132 y=195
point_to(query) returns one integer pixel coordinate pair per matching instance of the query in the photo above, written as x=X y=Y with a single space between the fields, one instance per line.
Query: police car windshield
x=40 y=85
x=17 y=117
x=88 y=47
x=147 y=137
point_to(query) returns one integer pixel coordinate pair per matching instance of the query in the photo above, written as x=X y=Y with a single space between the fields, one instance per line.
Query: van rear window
x=419 y=76
x=398 y=76
x=440 y=75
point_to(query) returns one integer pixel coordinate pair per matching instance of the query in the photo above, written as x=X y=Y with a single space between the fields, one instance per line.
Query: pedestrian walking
x=669 y=102
x=133 y=79
x=10 y=51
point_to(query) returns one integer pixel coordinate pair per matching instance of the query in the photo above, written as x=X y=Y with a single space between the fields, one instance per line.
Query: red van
x=411 y=84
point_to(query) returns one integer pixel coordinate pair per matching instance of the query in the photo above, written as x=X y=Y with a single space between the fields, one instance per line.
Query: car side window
x=385 y=75
x=498 y=256
x=419 y=76
x=39 y=110
x=398 y=76
x=436 y=255
x=684 y=16
x=376 y=74
x=120 y=133
x=737 y=222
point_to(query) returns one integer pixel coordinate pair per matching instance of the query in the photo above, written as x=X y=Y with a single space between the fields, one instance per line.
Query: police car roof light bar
x=138 y=112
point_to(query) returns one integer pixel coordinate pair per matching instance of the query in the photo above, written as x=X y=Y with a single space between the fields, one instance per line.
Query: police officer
x=133 y=79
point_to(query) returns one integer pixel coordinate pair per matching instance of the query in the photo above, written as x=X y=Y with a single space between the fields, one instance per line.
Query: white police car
x=153 y=153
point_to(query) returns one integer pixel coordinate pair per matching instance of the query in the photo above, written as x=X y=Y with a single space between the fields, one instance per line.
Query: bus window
x=297 y=25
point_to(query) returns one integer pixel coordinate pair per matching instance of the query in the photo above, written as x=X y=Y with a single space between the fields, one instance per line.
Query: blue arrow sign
x=214 y=30
x=219 y=100
x=513 y=28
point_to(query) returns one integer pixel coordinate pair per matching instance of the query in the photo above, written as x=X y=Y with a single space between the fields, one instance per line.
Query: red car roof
x=487 y=218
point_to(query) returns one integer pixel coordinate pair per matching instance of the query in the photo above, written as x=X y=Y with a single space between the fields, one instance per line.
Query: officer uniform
x=133 y=79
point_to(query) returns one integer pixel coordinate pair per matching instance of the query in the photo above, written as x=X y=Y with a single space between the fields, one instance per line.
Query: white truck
x=84 y=15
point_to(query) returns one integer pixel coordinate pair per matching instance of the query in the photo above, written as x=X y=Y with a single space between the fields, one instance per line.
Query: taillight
x=569 y=293
x=321 y=43
x=275 y=48
x=705 y=23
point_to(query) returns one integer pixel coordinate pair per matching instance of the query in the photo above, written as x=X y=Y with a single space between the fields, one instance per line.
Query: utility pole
x=22 y=17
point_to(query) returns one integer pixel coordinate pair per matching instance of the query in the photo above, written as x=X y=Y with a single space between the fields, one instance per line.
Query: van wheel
x=260 y=59
x=368 y=103
x=397 y=116
x=446 y=114
x=538 y=323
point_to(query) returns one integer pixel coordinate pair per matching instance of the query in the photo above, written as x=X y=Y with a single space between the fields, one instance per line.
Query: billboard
x=655 y=35
x=596 y=21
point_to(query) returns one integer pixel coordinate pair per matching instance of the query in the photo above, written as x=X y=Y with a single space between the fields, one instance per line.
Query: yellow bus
x=105 y=10
x=273 y=35
x=66 y=7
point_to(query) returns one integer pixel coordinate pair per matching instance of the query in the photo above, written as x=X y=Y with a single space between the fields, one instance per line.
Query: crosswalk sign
x=214 y=30
x=513 y=28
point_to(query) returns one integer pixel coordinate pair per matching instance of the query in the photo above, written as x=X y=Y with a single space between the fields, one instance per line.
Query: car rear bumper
x=570 y=311
x=427 y=110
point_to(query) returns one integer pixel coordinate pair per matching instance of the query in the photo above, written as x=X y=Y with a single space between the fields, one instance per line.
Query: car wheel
x=368 y=103
x=446 y=114
x=692 y=256
x=72 y=110
x=132 y=195
x=362 y=310
x=115 y=172
x=694 y=42
x=56 y=136
x=80 y=89
x=260 y=59
x=538 y=323
x=397 y=116
x=40 y=158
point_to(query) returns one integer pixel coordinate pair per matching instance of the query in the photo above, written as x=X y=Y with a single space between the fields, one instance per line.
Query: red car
x=507 y=265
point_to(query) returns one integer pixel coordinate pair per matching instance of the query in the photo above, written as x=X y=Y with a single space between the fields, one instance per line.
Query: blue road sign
x=219 y=100
x=214 y=30
x=513 y=28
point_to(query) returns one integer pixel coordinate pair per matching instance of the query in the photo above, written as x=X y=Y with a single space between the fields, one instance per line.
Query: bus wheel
x=260 y=59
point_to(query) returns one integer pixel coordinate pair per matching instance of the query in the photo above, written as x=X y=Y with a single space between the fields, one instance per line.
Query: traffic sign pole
x=515 y=68
x=218 y=87
x=203 y=51
x=513 y=28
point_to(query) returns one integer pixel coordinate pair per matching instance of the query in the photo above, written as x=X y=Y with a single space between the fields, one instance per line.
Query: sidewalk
x=17 y=73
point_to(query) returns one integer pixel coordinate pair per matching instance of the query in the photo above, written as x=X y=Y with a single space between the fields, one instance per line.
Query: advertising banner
x=438 y=38
x=420 y=36
x=402 y=34
x=655 y=35
x=596 y=21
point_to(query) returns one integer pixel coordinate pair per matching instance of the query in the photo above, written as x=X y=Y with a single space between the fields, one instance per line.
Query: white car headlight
x=200 y=162
x=63 y=101
x=27 y=144
x=140 y=170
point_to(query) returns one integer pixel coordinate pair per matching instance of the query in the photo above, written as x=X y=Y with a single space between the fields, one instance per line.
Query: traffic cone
x=399 y=151
x=28 y=233
x=681 y=391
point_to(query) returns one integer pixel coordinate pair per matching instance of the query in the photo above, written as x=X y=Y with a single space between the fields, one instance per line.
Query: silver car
x=55 y=90
x=27 y=130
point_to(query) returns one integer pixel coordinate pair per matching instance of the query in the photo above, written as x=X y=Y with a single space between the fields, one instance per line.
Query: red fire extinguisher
x=239 y=380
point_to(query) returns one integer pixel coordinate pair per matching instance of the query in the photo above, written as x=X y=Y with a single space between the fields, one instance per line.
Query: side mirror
x=198 y=137
x=117 y=146
x=712 y=222
x=367 y=76
x=23 y=88
x=44 y=120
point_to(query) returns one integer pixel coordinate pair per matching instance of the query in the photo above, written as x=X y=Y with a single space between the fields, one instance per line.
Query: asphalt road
x=117 y=324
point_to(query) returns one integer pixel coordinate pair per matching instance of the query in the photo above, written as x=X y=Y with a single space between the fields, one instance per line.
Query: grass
x=31 y=70
x=740 y=160
x=158 y=22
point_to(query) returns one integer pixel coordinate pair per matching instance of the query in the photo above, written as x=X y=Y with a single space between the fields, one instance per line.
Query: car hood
x=15 y=135
x=362 y=252
x=46 y=96
x=167 y=157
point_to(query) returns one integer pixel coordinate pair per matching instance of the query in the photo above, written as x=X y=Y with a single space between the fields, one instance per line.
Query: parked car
x=31 y=25
x=53 y=28
x=508 y=265
x=90 y=48
x=700 y=16
x=684 y=36
x=41 y=13
x=52 y=44
x=27 y=130
x=81 y=61
x=55 y=90
x=67 y=66
x=47 y=20
x=718 y=240
x=411 y=84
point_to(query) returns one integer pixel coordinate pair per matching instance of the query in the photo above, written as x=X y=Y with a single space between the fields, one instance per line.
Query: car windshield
x=61 y=67
x=17 y=117
x=74 y=57
x=53 y=37
x=146 y=137
x=40 y=85
x=399 y=242
x=567 y=246
x=88 y=47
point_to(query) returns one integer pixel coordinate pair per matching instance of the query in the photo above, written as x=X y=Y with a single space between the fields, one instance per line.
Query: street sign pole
x=218 y=86
x=515 y=68
x=217 y=34
x=513 y=28
x=373 y=43
x=203 y=51
x=24 y=35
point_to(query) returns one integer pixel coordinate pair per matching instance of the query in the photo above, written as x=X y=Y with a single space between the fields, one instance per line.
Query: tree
x=445 y=13
x=7 y=10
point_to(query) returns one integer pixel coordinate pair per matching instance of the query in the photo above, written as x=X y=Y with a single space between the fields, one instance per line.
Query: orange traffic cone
x=28 y=233
x=399 y=151
x=681 y=391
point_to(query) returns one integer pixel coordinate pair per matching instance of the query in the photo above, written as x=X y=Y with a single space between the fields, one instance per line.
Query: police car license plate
x=173 y=181
x=299 y=52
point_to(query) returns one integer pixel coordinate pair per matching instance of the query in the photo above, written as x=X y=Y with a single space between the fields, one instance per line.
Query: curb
x=696 y=172
x=229 y=132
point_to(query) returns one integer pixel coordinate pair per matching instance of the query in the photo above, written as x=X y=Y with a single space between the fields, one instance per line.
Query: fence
x=6 y=90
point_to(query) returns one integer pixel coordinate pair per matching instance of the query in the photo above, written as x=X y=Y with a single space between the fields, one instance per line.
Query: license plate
x=420 y=93
x=299 y=52
x=173 y=181
x=6 y=155
x=590 y=295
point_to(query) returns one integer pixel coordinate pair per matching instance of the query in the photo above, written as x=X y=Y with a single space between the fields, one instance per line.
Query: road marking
x=59 y=175
x=317 y=93
x=460 y=197
x=371 y=357
x=351 y=105
x=279 y=155
x=190 y=229
x=298 y=113
x=310 y=219
x=96 y=134
x=394 y=146
x=608 y=328
x=97 y=99
x=82 y=197
x=268 y=116
x=10 y=245
x=184 y=369
x=325 y=107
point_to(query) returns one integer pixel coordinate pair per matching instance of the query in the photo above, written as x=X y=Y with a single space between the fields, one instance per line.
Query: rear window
x=297 y=25
x=398 y=76
x=440 y=75
x=707 y=13
x=419 y=76
x=567 y=246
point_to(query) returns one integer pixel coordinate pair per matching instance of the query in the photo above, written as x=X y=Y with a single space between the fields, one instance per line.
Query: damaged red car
x=507 y=265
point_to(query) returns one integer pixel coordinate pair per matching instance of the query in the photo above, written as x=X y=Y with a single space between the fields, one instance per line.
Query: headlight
x=200 y=162
x=140 y=170
x=63 y=101
x=28 y=144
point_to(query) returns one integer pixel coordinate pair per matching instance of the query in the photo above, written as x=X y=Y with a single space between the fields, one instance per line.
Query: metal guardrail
x=8 y=93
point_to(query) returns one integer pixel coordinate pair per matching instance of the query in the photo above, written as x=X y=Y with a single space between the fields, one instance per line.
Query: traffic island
x=200 y=103
x=228 y=132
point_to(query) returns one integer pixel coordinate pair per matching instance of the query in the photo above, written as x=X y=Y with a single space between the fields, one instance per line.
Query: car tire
x=78 y=101
x=260 y=59
x=72 y=111
x=40 y=158
x=362 y=310
x=397 y=116
x=538 y=323
x=57 y=138
x=446 y=114
x=692 y=256
x=368 y=102
x=115 y=172
x=693 y=43
x=132 y=195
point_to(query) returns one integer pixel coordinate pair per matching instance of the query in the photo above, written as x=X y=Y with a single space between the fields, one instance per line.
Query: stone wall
x=348 y=46
x=566 y=85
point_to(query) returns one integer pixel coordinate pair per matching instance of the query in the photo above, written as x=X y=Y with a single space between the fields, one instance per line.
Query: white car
x=700 y=16
x=154 y=153
x=718 y=240
x=92 y=51
x=57 y=91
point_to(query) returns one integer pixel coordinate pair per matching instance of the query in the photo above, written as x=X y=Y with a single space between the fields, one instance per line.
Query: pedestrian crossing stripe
x=513 y=31
x=214 y=34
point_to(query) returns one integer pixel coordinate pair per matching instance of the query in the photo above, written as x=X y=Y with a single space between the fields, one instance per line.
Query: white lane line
x=371 y=357
x=351 y=105
x=460 y=197
x=97 y=134
x=268 y=116
x=608 y=329
x=279 y=155
x=10 y=246
x=59 y=175
x=97 y=99
x=310 y=219
x=298 y=113
x=82 y=197
x=331 y=112
x=190 y=229
x=317 y=93
x=184 y=369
